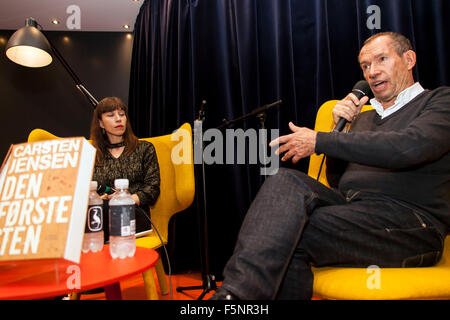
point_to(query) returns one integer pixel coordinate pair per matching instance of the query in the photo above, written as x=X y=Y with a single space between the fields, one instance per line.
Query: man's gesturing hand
x=297 y=145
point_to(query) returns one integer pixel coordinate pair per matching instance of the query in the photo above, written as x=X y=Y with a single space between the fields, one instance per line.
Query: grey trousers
x=295 y=222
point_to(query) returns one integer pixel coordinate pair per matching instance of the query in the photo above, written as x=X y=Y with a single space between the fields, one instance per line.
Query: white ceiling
x=95 y=15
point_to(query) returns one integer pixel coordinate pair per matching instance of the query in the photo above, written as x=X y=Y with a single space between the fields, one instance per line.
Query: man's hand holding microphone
x=302 y=142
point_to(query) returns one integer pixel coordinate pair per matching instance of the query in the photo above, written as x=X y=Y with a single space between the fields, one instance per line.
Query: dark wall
x=47 y=98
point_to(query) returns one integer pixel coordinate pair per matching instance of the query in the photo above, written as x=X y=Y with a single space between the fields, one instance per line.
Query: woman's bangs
x=109 y=107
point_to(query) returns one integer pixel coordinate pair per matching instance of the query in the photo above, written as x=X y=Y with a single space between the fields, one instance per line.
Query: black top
x=404 y=156
x=140 y=168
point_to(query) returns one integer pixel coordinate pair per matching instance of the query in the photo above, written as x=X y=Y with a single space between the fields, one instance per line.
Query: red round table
x=38 y=279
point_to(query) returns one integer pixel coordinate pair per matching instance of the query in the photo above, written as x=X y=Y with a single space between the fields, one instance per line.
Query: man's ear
x=410 y=58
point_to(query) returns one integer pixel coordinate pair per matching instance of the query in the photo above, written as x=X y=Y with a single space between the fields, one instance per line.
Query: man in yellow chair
x=390 y=173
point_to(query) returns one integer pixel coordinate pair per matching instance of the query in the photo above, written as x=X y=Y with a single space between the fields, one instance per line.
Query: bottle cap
x=121 y=183
x=93 y=185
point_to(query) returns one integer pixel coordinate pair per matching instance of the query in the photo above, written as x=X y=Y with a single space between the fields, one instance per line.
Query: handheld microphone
x=361 y=89
x=201 y=113
x=101 y=189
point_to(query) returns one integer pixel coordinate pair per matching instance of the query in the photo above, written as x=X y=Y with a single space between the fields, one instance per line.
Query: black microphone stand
x=260 y=114
x=209 y=280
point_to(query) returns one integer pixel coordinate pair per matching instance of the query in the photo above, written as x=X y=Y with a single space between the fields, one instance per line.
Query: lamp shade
x=29 y=47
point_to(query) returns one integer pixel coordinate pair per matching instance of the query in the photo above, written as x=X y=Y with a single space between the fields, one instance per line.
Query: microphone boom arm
x=252 y=113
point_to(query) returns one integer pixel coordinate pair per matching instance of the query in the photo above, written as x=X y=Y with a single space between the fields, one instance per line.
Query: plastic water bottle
x=93 y=232
x=122 y=222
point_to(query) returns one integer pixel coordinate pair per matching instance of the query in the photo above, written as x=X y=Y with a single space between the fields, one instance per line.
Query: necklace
x=115 y=145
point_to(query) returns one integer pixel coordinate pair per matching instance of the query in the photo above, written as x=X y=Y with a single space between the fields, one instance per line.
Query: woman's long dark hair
x=100 y=139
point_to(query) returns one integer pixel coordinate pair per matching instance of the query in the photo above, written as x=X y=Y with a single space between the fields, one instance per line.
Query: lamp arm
x=73 y=75
x=85 y=91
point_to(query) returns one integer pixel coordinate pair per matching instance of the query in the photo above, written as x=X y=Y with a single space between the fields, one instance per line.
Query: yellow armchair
x=177 y=189
x=372 y=283
x=40 y=135
x=325 y=123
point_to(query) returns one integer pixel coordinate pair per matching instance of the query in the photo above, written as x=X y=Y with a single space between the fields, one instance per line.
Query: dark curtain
x=241 y=54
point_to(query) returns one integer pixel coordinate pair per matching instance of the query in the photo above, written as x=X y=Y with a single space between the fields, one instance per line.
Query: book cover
x=44 y=193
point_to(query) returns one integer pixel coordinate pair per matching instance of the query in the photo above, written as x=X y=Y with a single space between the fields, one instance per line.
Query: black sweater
x=140 y=168
x=404 y=156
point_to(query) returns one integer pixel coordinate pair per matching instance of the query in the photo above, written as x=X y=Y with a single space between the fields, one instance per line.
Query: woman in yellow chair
x=121 y=155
